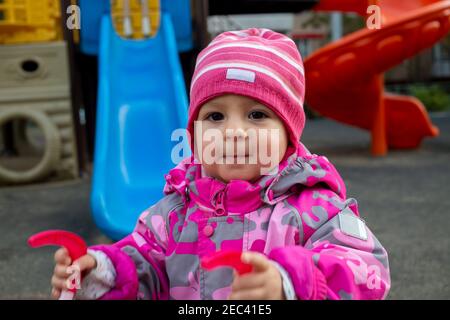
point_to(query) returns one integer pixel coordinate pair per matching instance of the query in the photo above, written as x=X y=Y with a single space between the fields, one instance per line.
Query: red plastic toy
x=72 y=242
x=226 y=258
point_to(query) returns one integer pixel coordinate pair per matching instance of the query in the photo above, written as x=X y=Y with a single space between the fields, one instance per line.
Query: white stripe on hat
x=251 y=67
x=240 y=33
x=233 y=35
x=257 y=55
x=253 y=46
x=264 y=30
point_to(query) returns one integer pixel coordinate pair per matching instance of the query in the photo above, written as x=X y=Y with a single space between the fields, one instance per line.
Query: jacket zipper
x=219 y=205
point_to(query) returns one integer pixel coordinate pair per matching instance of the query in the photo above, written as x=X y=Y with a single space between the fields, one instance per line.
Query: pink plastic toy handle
x=226 y=258
x=74 y=244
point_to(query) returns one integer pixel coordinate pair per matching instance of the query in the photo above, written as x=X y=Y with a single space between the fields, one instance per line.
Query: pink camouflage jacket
x=298 y=217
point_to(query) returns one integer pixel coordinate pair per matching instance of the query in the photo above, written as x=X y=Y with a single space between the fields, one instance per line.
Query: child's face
x=247 y=127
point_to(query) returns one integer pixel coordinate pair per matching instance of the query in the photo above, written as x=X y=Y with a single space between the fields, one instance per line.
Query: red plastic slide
x=345 y=79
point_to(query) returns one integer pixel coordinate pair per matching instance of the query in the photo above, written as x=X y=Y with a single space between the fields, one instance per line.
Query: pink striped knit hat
x=258 y=63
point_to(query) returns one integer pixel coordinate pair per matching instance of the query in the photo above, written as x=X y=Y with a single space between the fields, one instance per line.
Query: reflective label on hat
x=239 y=74
x=352 y=226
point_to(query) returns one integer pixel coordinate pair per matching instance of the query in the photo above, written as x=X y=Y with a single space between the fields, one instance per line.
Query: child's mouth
x=236 y=156
x=236 y=159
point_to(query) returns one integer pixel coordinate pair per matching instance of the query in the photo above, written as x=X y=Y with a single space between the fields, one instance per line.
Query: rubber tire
x=52 y=153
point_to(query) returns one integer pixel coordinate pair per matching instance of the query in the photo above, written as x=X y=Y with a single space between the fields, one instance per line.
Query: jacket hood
x=300 y=170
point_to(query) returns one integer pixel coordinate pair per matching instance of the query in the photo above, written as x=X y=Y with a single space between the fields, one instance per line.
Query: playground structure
x=35 y=89
x=35 y=93
x=28 y=21
x=135 y=20
x=345 y=78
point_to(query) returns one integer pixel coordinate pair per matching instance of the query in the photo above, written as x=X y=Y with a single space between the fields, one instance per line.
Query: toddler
x=288 y=213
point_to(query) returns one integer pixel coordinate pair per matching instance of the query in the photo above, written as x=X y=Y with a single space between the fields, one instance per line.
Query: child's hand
x=60 y=275
x=263 y=283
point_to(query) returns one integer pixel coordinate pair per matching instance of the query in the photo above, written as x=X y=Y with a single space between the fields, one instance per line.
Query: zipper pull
x=219 y=204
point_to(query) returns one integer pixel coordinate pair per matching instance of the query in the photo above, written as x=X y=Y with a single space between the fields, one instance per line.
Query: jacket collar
x=299 y=170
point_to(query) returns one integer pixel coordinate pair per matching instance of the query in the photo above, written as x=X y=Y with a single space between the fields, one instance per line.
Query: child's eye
x=257 y=115
x=215 y=116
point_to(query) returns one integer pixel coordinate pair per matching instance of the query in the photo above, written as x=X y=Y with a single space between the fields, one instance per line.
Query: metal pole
x=336 y=26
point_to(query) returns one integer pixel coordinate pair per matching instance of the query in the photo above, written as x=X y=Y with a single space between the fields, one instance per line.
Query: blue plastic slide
x=141 y=100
